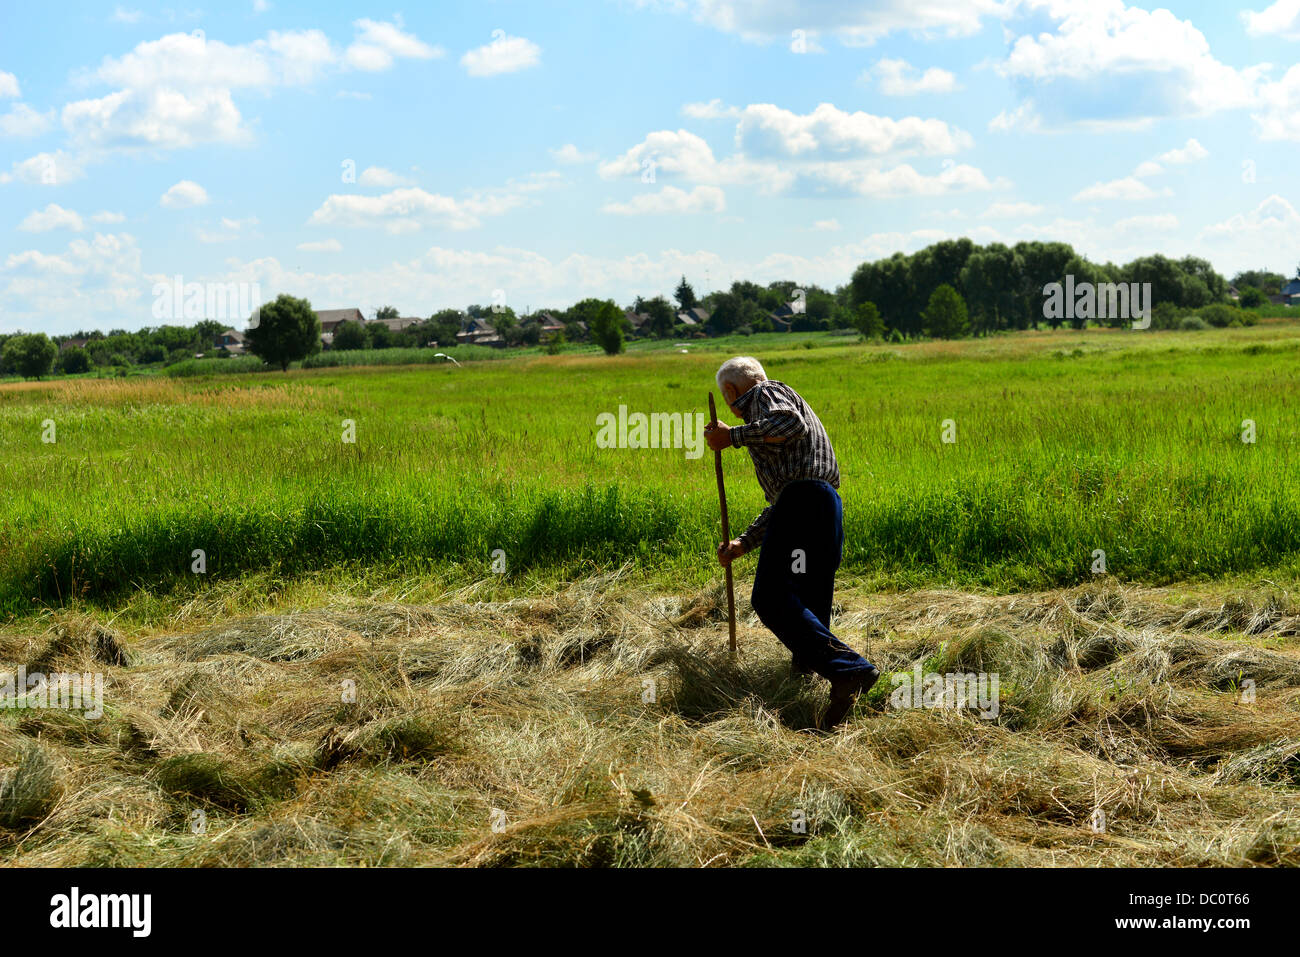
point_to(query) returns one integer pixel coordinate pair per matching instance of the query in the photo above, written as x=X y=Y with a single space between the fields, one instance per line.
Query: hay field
x=349 y=683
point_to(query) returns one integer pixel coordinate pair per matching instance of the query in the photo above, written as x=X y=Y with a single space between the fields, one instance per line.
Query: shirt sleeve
x=776 y=416
x=753 y=536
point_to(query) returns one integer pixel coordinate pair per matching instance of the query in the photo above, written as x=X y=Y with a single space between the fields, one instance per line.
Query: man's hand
x=718 y=436
x=728 y=551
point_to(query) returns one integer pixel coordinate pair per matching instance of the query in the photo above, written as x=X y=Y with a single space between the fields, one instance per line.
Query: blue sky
x=441 y=155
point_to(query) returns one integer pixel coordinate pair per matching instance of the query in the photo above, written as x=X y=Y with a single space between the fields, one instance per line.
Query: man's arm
x=753 y=536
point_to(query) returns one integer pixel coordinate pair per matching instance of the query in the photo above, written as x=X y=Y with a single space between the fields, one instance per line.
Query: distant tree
x=1265 y=280
x=287 y=331
x=387 y=312
x=74 y=360
x=1251 y=297
x=945 y=315
x=866 y=319
x=661 y=316
x=31 y=356
x=350 y=335
x=445 y=324
x=685 y=295
x=1041 y=264
x=380 y=336
x=990 y=279
x=502 y=318
x=605 y=320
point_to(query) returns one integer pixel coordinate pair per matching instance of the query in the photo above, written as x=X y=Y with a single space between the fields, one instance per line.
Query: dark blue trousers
x=795 y=580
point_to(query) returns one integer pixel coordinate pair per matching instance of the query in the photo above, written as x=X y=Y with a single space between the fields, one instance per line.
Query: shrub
x=74 y=360
x=1220 y=316
x=1192 y=323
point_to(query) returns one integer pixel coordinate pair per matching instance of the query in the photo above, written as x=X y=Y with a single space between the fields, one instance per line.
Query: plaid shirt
x=773 y=409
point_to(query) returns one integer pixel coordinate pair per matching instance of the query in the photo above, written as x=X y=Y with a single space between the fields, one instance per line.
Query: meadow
x=348 y=682
x=1066 y=444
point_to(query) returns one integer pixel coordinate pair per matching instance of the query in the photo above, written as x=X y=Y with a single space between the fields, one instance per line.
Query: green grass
x=1067 y=442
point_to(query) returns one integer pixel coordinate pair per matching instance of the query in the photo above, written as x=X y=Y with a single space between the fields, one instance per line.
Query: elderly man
x=800 y=532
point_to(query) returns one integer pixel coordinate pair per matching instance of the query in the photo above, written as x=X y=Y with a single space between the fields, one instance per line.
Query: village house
x=232 y=341
x=331 y=319
x=69 y=343
x=550 y=326
x=479 y=332
x=694 y=316
x=639 y=322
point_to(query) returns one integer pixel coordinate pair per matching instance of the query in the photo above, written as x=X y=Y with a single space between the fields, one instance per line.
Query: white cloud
x=900 y=78
x=51 y=217
x=107 y=217
x=1282 y=19
x=715 y=109
x=1160 y=222
x=1148 y=168
x=9 y=85
x=408 y=209
x=93 y=281
x=852 y=22
x=1189 y=153
x=570 y=154
x=505 y=54
x=379 y=44
x=684 y=154
x=1109 y=63
x=1263 y=236
x=827 y=225
x=45 y=169
x=183 y=195
x=765 y=129
x=1011 y=210
x=1280 y=118
x=670 y=199
x=155 y=118
x=378 y=176
x=323 y=246
x=122 y=15
x=1023 y=117
x=903 y=180
x=228 y=231
x=22 y=120
x=1128 y=188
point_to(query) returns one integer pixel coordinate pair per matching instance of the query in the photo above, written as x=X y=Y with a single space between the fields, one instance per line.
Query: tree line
x=949 y=289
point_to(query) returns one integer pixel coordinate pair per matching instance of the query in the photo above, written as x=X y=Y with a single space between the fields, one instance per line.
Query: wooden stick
x=726 y=535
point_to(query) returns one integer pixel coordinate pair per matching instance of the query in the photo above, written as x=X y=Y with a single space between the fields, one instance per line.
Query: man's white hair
x=742 y=372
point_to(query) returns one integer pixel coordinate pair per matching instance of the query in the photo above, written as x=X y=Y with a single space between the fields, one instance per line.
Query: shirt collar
x=747 y=400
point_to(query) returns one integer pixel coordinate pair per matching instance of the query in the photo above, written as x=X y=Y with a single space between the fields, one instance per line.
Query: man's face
x=731 y=393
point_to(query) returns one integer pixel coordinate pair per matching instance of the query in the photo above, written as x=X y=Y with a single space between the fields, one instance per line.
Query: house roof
x=329 y=318
x=637 y=319
x=232 y=333
x=1292 y=288
x=548 y=321
x=396 y=325
x=69 y=343
x=693 y=316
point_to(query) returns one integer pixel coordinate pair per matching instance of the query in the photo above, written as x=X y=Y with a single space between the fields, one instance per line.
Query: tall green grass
x=1067 y=444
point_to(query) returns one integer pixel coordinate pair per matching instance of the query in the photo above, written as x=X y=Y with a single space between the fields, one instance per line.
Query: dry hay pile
x=602 y=726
